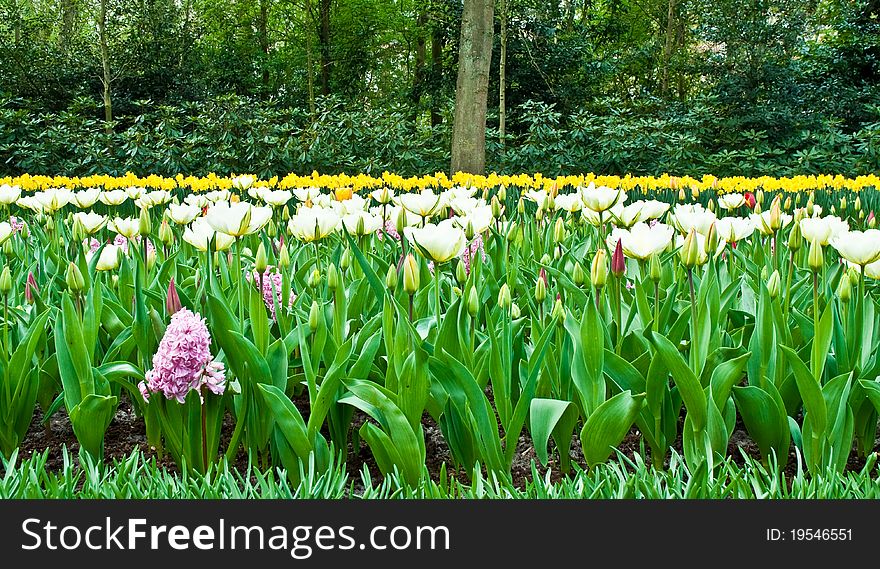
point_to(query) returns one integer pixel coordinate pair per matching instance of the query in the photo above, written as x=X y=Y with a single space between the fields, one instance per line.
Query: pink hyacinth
x=272 y=285
x=16 y=223
x=390 y=229
x=468 y=254
x=183 y=361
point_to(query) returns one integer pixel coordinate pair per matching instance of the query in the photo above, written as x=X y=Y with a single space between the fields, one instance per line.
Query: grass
x=139 y=478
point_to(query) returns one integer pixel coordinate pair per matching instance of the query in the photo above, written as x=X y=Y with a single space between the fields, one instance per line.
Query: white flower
x=243 y=182
x=652 y=209
x=198 y=200
x=537 y=196
x=626 y=215
x=200 y=233
x=382 y=195
x=361 y=223
x=353 y=204
x=480 y=219
x=568 y=202
x=9 y=194
x=393 y=213
x=276 y=198
x=733 y=229
x=731 y=201
x=458 y=192
x=217 y=196
x=113 y=197
x=150 y=199
x=601 y=198
x=313 y=223
x=642 y=241
x=463 y=205
x=90 y=221
x=86 y=198
x=109 y=258
x=134 y=192
x=53 y=199
x=306 y=194
x=423 y=204
x=858 y=247
x=822 y=229
x=872 y=270
x=127 y=227
x=238 y=218
x=762 y=221
x=5 y=231
x=182 y=214
x=440 y=242
x=31 y=203
x=692 y=216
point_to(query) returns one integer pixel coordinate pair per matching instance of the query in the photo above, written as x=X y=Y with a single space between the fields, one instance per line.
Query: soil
x=127 y=433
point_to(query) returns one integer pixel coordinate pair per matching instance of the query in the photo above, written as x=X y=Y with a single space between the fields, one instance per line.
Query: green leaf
x=608 y=425
x=688 y=385
x=544 y=416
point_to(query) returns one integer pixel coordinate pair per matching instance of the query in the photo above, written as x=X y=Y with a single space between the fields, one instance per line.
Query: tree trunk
x=472 y=87
x=436 y=71
x=68 y=20
x=668 y=46
x=502 y=76
x=324 y=37
x=105 y=66
x=264 y=39
x=419 y=71
x=310 y=74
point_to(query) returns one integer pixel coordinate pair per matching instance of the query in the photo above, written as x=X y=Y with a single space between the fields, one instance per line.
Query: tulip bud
x=285 y=213
x=144 y=223
x=332 y=277
x=711 y=206
x=844 y=289
x=151 y=259
x=410 y=274
x=456 y=291
x=861 y=215
x=545 y=259
x=514 y=311
x=549 y=203
x=599 y=269
x=654 y=269
x=73 y=277
x=166 y=235
x=577 y=275
x=775 y=214
x=759 y=197
x=49 y=224
x=773 y=284
x=843 y=203
x=30 y=288
x=857 y=205
x=558 y=312
x=854 y=276
x=817 y=256
x=496 y=208
x=833 y=210
x=795 y=238
x=391 y=278
x=172 y=299
x=539 y=214
x=473 y=304
x=690 y=250
x=79 y=232
x=520 y=206
x=504 y=298
x=618 y=262
x=469 y=231
x=460 y=272
x=284 y=257
x=712 y=240
x=810 y=206
x=750 y=200
x=787 y=204
x=757 y=208
x=872 y=220
x=511 y=232
x=314 y=278
x=314 y=316
x=261 y=262
x=681 y=195
x=540 y=290
x=9 y=248
x=400 y=222
x=502 y=193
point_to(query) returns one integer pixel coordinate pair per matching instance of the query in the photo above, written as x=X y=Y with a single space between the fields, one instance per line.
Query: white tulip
x=31 y=203
x=86 y=198
x=822 y=229
x=6 y=231
x=537 y=196
x=54 y=199
x=626 y=215
x=731 y=201
x=858 y=247
x=383 y=195
x=692 y=216
x=652 y=209
x=134 y=192
x=762 y=221
x=643 y=240
x=313 y=223
x=109 y=258
x=306 y=194
x=238 y=218
x=733 y=229
x=276 y=198
x=479 y=218
x=568 y=202
x=217 y=196
x=601 y=198
x=198 y=200
x=423 y=204
x=361 y=223
x=243 y=182
x=182 y=214
x=200 y=233
x=90 y=221
x=439 y=243
x=113 y=197
x=9 y=194
x=463 y=205
x=151 y=199
x=127 y=227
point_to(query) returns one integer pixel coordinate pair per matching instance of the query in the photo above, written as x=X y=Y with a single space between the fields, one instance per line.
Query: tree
x=472 y=87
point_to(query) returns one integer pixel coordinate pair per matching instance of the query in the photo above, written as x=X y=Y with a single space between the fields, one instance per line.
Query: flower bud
x=750 y=200
x=690 y=250
x=857 y=205
x=285 y=213
x=795 y=238
x=654 y=269
x=504 y=298
x=578 y=275
x=151 y=259
x=473 y=302
x=460 y=272
x=681 y=195
x=844 y=289
x=599 y=269
x=73 y=277
x=391 y=278
x=314 y=316
x=172 y=299
x=539 y=214
x=260 y=261
x=496 y=207
x=872 y=220
x=712 y=240
x=810 y=206
x=283 y=257
x=332 y=277
x=520 y=206
x=558 y=312
x=144 y=223
x=759 y=197
x=271 y=228
x=773 y=284
x=30 y=288
x=787 y=204
x=166 y=235
x=775 y=214
x=400 y=222
x=514 y=311
x=79 y=232
x=545 y=259
x=540 y=290
x=843 y=203
x=711 y=206
x=817 y=256
x=618 y=262
x=502 y=193
x=345 y=259
x=410 y=274
x=469 y=231
x=314 y=278
x=854 y=276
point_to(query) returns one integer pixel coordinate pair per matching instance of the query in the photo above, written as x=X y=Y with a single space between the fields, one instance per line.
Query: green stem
x=240 y=289
x=656 y=306
x=204 y=435
x=437 y=293
x=788 y=283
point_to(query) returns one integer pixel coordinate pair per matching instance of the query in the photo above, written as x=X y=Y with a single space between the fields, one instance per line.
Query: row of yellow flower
x=440 y=180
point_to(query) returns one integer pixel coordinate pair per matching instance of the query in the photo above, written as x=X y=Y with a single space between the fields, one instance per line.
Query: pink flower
x=390 y=229
x=272 y=285
x=17 y=224
x=468 y=254
x=183 y=361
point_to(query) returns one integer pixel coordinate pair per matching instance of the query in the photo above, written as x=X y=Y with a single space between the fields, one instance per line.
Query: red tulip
x=618 y=263
x=750 y=200
x=30 y=288
x=172 y=300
